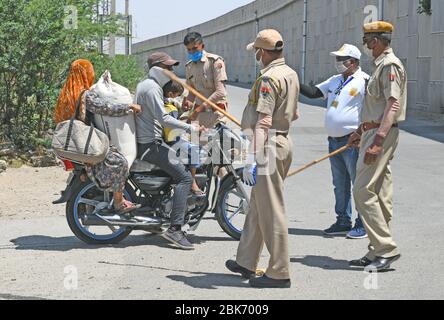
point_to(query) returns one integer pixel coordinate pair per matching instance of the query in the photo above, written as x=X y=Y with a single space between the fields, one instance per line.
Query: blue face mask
x=195 y=57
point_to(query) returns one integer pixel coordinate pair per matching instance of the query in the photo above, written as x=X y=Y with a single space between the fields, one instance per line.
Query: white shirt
x=345 y=102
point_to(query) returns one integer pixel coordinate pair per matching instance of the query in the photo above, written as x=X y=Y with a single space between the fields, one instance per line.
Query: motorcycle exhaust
x=118 y=221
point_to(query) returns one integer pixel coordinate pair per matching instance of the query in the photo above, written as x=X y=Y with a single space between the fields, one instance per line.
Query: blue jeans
x=343 y=167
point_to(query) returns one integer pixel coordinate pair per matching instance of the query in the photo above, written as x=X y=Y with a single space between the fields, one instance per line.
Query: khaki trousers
x=373 y=193
x=267 y=222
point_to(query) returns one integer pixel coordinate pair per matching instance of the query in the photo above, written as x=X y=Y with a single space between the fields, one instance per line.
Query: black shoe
x=364 y=262
x=178 y=238
x=338 y=229
x=235 y=268
x=382 y=264
x=266 y=282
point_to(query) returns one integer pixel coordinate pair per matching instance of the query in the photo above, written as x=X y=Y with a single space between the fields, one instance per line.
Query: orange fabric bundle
x=81 y=77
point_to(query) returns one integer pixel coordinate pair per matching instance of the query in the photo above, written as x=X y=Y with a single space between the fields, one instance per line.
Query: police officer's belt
x=367 y=126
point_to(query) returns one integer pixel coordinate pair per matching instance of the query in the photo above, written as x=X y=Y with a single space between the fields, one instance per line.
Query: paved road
x=39 y=255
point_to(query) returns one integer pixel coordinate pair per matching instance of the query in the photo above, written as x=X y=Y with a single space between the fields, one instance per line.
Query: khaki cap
x=268 y=39
x=378 y=27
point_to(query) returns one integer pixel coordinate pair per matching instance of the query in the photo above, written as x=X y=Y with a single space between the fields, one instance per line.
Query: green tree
x=36 y=50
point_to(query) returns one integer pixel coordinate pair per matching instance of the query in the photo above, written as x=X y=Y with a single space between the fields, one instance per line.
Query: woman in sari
x=112 y=173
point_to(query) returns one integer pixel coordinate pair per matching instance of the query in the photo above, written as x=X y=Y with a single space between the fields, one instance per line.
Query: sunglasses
x=342 y=59
x=365 y=40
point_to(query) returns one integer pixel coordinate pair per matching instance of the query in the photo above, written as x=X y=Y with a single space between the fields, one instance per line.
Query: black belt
x=284 y=134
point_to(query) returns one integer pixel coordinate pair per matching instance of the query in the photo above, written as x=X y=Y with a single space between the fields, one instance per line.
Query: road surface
x=41 y=259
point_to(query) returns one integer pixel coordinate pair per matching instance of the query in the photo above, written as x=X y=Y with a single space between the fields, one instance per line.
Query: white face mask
x=340 y=67
x=367 y=51
x=173 y=101
x=259 y=62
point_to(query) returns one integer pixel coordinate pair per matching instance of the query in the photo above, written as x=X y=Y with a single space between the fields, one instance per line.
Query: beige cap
x=268 y=39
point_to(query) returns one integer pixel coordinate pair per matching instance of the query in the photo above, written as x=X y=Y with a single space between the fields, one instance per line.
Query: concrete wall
x=418 y=41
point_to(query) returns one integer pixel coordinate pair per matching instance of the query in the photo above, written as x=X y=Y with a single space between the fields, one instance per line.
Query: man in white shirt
x=345 y=93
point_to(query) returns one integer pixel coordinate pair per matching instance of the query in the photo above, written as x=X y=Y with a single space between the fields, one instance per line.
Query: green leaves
x=35 y=53
x=425 y=6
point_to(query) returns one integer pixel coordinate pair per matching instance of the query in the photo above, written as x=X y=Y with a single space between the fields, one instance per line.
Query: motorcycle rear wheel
x=73 y=211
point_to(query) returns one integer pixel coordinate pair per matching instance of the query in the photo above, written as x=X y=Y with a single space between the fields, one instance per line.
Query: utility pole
x=112 y=38
x=256 y=66
x=99 y=21
x=304 y=42
x=128 y=29
x=381 y=10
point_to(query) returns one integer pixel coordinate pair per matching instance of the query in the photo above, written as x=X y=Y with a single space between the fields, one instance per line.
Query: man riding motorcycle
x=151 y=146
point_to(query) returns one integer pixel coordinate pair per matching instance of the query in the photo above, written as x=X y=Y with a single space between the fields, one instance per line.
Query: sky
x=150 y=20
x=153 y=18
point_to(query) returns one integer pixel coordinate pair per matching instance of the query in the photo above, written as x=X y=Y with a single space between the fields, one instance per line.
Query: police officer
x=267 y=118
x=385 y=107
x=206 y=73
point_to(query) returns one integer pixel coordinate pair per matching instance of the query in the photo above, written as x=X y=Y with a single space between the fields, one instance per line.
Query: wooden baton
x=173 y=77
x=339 y=151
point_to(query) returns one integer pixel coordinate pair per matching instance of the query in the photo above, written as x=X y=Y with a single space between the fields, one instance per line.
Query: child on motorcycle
x=173 y=90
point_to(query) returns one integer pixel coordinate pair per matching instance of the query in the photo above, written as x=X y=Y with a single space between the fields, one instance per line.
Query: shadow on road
x=16 y=298
x=326 y=263
x=201 y=280
x=313 y=233
x=422 y=129
x=211 y=280
x=47 y=243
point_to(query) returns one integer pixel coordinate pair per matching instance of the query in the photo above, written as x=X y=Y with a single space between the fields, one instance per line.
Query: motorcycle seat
x=140 y=166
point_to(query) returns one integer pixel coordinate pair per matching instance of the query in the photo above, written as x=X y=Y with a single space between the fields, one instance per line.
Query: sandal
x=198 y=193
x=127 y=207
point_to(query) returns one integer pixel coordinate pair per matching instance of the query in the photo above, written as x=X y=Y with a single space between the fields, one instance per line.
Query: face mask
x=259 y=61
x=368 y=52
x=195 y=57
x=340 y=67
x=173 y=101
x=157 y=73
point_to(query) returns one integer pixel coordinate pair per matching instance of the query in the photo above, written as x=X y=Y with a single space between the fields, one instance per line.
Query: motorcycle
x=153 y=189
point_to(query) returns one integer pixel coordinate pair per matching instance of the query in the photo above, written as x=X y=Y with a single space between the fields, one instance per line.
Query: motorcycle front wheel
x=233 y=205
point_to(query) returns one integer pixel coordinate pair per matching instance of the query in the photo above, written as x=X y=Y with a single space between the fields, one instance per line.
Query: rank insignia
x=335 y=104
x=392 y=77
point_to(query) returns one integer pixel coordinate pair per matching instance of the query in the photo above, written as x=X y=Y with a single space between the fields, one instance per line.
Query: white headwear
x=347 y=50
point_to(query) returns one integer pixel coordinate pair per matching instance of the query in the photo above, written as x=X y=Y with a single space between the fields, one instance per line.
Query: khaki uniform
x=203 y=76
x=276 y=94
x=373 y=189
